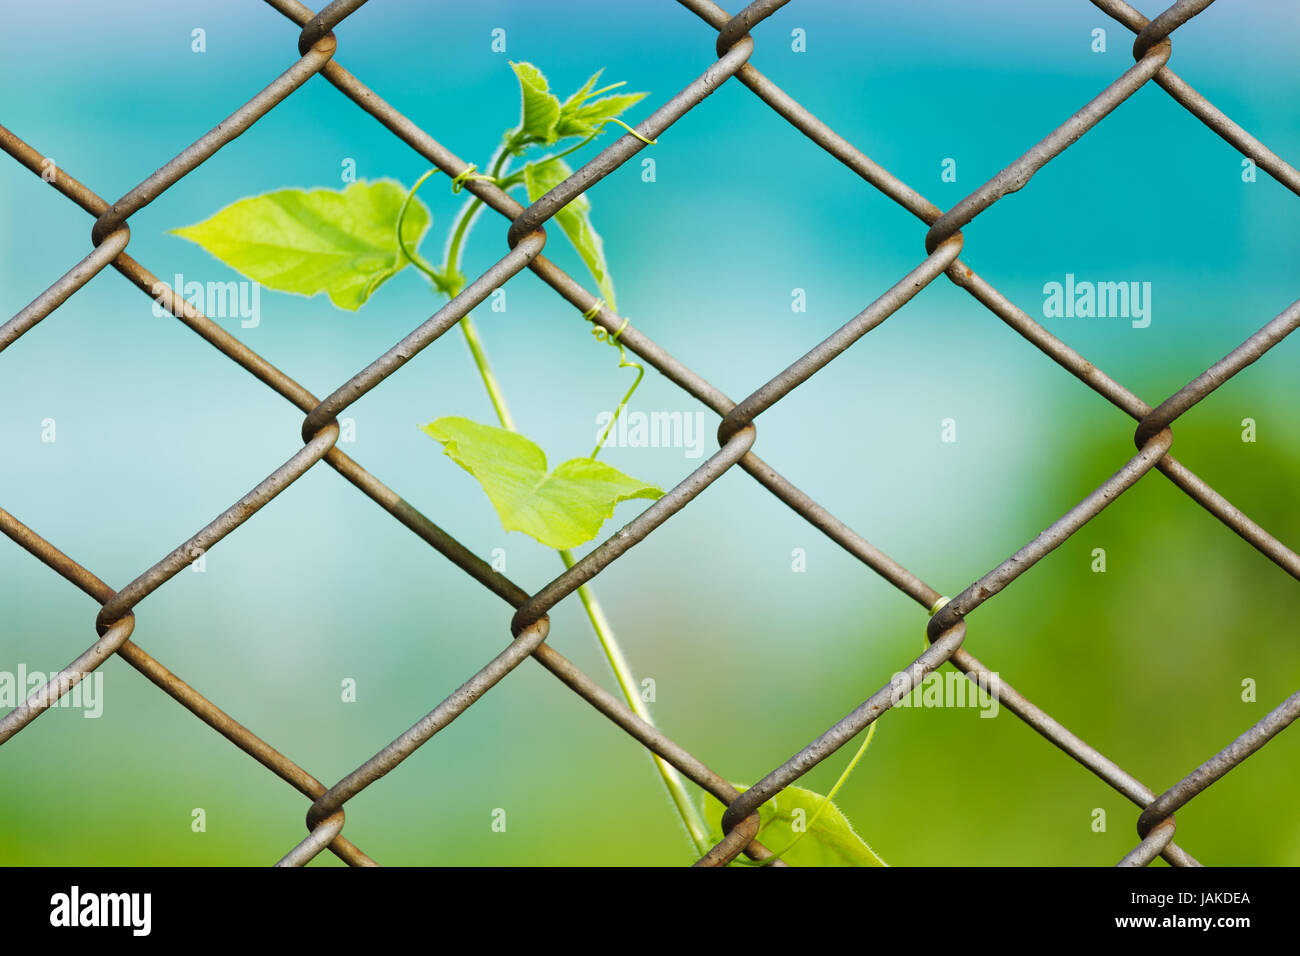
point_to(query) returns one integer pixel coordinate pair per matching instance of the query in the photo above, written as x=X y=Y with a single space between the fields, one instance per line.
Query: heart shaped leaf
x=340 y=242
x=562 y=508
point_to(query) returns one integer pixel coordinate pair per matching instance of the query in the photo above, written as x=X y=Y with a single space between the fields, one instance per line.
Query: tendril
x=615 y=119
x=603 y=335
x=470 y=174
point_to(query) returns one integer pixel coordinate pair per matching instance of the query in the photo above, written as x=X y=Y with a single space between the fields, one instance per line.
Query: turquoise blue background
x=158 y=433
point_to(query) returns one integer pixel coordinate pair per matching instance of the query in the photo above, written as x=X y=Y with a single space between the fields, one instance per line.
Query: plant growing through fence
x=347 y=243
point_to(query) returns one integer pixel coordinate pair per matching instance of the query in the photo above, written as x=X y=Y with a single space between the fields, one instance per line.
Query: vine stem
x=686 y=808
x=485 y=372
x=448 y=282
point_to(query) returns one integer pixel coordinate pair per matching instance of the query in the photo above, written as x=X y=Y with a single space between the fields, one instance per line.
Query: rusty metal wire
x=737 y=431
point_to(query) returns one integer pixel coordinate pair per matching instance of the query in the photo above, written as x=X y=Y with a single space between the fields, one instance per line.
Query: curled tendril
x=470 y=174
x=603 y=334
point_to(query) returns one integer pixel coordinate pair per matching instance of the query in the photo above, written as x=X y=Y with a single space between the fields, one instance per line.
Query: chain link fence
x=737 y=432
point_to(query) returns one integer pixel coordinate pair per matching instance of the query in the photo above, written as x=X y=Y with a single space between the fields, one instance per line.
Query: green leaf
x=540 y=110
x=563 y=508
x=575 y=219
x=543 y=119
x=580 y=96
x=581 y=117
x=586 y=119
x=830 y=841
x=341 y=242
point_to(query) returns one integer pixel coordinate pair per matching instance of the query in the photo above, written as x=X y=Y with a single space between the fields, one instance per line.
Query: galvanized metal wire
x=737 y=432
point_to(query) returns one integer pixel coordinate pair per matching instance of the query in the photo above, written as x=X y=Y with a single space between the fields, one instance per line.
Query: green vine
x=347 y=243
